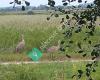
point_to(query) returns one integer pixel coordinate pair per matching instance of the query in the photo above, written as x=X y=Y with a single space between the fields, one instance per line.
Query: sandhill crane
x=53 y=49
x=21 y=44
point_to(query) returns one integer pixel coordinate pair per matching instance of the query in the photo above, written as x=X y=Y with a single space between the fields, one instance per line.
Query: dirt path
x=44 y=62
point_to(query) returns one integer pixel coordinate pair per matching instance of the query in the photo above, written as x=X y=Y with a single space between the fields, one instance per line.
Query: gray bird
x=20 y=46
x=54 y=48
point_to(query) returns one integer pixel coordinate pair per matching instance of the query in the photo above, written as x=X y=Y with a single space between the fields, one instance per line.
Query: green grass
x=50 y=71
x=79 y=37
x=36 y=30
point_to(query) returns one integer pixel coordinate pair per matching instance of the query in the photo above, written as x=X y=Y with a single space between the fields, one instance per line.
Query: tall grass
x=36 y=30
x=52 y=71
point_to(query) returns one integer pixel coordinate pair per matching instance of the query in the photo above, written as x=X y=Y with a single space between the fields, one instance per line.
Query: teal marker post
x=35 y=54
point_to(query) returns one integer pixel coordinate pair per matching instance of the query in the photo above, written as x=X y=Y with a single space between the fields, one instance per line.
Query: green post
x=35 y=54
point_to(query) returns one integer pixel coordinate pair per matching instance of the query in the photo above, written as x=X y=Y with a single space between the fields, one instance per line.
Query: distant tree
x=30 y=12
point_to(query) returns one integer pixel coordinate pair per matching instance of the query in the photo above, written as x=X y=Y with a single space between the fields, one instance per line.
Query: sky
x=5 y=3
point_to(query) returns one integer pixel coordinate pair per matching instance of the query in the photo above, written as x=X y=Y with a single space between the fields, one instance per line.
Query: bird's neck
x=23 y=40
x=58 y=45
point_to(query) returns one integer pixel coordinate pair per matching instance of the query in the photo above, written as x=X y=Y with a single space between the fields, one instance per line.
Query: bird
x=54 y=48
x=20 y=46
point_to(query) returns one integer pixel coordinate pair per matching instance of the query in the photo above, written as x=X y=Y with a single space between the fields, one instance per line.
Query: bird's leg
x=53 y=56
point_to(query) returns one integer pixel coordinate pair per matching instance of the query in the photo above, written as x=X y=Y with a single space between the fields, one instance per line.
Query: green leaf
x=27 y=3
x=68 y=56
x=65 y=4
x=11 y=2
x=23 y=8
x=79 y=1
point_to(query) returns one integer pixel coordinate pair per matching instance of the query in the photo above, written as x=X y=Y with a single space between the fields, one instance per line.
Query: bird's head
x=22 y=37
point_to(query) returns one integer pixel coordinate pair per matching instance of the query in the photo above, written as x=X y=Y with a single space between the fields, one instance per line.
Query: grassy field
x=50 y=71
x=36 y=30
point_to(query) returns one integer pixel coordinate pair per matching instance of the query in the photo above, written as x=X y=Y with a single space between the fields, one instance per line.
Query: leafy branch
x=84 y=19
x=17 y=2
